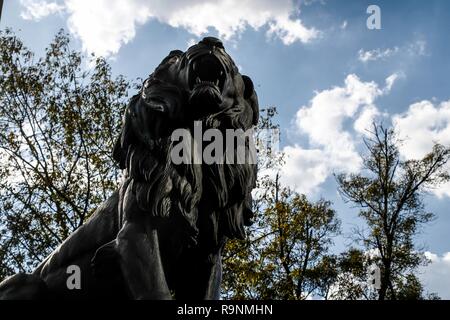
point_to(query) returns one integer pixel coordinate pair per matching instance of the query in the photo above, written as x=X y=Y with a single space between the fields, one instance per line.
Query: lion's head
x=201 y=84
x=210 y=81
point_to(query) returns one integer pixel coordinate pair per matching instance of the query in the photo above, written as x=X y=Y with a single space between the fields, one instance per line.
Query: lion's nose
x=212 y=42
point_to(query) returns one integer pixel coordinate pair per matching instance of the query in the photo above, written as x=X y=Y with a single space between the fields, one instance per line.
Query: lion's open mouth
x=206 y=71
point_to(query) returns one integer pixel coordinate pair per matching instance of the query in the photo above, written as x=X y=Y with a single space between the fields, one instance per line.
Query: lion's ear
x=251 y=97
x=126 y=136
x=173 y=53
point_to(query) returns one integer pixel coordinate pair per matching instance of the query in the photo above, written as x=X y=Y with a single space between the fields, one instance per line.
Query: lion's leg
x=140 y=262
x=139 y=255
x=23 y=287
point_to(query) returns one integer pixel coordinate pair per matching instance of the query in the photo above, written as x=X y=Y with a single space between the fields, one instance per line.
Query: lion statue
x=161 y=235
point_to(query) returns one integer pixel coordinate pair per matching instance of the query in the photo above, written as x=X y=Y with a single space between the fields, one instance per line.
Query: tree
x=287 y=256
x=354 y=283
x=390 y=194
x=352 y=280
x=58 y=124
x=286 y=253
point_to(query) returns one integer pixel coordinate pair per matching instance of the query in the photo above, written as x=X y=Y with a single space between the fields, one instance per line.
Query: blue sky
x=316 y=61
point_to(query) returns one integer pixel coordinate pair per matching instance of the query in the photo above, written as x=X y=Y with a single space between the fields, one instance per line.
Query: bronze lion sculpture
x=161 y=235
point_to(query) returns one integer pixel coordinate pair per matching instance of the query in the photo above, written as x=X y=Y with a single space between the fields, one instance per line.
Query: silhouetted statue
x=161 y=235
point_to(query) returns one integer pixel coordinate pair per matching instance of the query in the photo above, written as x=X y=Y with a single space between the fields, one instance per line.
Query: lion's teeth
x=199 y=81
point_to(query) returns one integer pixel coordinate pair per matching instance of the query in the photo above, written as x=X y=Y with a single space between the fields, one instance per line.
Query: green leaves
x=288 y=254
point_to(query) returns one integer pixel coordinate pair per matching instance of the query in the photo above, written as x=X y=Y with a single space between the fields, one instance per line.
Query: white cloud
x=418 y=47
x=333 y=143
x=290 y=31
x=422 y=125
x=376 y=54
x=334 y=121
x=436 y=275
x=191 y=42
x=38 y=9
x=391 y=79
x=412 y=49
x=304 y=169
x=105 y=25
x=365 y=119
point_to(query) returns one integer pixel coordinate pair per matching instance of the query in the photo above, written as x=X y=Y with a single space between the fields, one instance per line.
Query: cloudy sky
x=316 y=61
